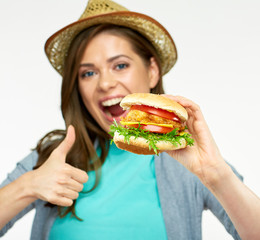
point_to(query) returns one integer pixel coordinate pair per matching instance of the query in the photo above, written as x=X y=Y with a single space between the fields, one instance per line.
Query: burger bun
x=140 y=145
x=156 y=101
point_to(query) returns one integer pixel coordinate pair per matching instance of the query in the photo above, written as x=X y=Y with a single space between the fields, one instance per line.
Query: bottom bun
x=141 y=146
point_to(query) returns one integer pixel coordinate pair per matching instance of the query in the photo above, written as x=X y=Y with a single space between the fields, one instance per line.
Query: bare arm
x=14 y=197
x=240 y=203
x=205 y=161
x=55 y=181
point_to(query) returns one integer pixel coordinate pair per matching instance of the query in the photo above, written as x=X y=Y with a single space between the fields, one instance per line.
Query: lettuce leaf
x=152 y=138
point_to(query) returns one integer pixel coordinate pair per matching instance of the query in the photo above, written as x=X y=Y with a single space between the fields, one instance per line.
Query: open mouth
x=111 y=108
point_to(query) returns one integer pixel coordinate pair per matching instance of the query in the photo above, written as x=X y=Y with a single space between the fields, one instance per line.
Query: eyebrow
x=109 y=60
x=118 y=56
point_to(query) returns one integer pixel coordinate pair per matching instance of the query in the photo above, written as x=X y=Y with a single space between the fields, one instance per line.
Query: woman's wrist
x=216 y=176
x=26 y=186
x=14 y=197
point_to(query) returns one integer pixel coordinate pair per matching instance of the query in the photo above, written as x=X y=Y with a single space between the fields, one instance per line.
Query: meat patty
x=144 y=117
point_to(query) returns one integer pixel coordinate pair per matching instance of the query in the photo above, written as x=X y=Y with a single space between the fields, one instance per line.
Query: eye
x=121 y=66
x=87 y=74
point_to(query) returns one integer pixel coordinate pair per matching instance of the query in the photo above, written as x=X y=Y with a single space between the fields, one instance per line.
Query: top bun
x=156 y=101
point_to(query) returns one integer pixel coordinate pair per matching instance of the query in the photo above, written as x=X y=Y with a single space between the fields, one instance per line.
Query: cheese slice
x=155 y=124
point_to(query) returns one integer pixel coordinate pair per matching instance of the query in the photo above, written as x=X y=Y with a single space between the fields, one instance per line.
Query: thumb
x=68 y=141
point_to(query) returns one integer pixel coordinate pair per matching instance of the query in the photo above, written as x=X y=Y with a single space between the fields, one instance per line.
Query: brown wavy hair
x=83 y=154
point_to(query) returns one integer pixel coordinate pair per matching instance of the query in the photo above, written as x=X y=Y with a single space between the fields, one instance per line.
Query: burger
x=153 y=124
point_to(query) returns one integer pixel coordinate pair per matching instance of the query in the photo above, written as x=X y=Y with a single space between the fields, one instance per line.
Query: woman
x=102 y=58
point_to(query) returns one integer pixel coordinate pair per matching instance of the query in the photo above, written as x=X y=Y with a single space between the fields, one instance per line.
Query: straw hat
x=106 y=11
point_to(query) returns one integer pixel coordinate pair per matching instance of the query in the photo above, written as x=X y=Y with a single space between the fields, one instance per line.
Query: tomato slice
x=153 y=128
x=156 y=111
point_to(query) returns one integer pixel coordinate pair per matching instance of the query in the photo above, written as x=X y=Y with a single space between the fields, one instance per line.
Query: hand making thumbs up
x=56 y=181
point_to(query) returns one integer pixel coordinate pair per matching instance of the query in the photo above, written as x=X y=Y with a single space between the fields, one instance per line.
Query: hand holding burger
x=157 y=123
x=204 y=158
x=153 y=124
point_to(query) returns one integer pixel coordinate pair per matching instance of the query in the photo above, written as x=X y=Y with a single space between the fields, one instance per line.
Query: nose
x=106 y=82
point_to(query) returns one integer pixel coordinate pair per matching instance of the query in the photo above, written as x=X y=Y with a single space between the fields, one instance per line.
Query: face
x=110 y=70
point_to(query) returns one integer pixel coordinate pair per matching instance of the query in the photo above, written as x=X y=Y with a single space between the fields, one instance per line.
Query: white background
x=218 y=67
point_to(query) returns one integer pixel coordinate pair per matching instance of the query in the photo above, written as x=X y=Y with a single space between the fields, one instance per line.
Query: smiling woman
x=81 y=185
x=125 y=65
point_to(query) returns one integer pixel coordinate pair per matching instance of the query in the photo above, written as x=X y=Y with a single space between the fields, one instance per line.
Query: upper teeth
x=111 y=102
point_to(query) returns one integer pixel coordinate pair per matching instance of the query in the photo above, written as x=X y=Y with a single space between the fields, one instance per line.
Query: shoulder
x=29 y=161
x=23 y=166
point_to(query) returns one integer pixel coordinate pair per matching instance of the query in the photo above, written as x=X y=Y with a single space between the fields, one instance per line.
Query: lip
x=108 y=118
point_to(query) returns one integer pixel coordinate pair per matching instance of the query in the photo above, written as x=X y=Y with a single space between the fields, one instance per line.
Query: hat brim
x=56 y=47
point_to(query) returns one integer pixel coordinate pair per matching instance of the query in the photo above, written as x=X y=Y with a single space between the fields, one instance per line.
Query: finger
x=185 y=102
x=63 y=201
x=192 y=108
x=60 y=200
x=79 y=175
x=67 y=143
x=75 y=185
x=68 y=193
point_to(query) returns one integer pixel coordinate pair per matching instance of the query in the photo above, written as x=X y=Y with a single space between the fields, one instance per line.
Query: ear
x=154 y=74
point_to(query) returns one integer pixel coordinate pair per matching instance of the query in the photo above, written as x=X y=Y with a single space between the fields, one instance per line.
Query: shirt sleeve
x=215 y=207
x=22 y=167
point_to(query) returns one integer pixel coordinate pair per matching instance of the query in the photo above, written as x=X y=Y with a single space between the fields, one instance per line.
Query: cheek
x=86 y=91
x=138 y=81
x=86 y=88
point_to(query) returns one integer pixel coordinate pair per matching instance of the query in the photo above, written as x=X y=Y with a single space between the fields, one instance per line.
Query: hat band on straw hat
x=108 y=12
